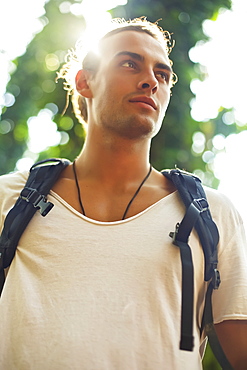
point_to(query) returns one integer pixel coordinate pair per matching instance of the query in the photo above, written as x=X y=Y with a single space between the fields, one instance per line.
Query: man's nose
x=148 y=82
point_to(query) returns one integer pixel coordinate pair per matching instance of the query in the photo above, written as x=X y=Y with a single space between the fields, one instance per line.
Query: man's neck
x=116 y=162
x=107 y=179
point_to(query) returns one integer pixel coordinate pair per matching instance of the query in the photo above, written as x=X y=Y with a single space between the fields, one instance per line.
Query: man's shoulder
x=12 y=183
x=222 y=208
x=217 y=198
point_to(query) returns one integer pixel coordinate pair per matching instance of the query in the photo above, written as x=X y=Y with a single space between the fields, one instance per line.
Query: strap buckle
x=216 y=279
x=39 y=201
x=173 y=234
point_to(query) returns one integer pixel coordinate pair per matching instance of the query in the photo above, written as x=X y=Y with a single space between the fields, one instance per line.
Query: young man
x=97 y=283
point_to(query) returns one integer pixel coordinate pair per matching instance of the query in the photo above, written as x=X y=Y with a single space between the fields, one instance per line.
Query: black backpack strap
x=42 y=176
x=208 y=325
x=197 y=216
x=2 y=280
x=192 y=193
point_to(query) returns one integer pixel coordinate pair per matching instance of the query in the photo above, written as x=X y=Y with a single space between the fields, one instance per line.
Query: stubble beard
x=131 y=127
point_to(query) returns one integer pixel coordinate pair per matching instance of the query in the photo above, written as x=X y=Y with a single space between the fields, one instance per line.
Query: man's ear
x=82 y=86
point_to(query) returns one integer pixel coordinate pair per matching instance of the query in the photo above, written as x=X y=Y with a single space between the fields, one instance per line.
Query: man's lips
x=145 y=100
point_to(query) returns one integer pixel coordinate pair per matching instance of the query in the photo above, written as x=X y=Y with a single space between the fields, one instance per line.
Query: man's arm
x=232 y=335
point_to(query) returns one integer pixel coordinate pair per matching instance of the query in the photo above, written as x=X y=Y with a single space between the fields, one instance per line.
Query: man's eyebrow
x=130 y=54
x=140 y=58
x=164 y=66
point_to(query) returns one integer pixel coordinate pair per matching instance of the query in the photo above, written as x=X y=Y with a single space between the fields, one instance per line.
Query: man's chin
x=139 y=129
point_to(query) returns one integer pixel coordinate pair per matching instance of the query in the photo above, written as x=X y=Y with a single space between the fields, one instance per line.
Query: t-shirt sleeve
x=10 y=188
x=230 y=300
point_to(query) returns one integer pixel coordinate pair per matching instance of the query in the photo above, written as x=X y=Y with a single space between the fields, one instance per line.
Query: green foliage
x=33 y=85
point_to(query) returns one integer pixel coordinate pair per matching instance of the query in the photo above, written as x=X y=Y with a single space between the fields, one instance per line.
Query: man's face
x=131 y=88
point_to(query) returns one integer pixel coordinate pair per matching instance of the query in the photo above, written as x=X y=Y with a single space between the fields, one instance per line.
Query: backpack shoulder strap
x=41 y=178
x=197 y=216
x=194 y=198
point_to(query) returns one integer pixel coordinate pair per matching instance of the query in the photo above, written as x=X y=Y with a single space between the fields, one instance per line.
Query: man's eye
x=128 y=64
x=164 y=76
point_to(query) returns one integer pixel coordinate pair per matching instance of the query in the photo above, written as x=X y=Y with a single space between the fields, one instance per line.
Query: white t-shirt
x=87 y=295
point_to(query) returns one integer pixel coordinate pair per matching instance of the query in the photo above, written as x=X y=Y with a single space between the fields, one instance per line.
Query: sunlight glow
x=96 y=15
x=42 y=132
x=229 y=167
x=17 y=28
x=225 y=59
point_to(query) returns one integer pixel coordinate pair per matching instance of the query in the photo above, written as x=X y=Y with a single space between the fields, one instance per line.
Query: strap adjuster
x=201 y=204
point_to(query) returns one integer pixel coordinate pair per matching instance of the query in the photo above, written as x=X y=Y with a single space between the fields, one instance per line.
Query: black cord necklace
x=128 y=205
